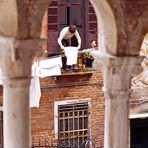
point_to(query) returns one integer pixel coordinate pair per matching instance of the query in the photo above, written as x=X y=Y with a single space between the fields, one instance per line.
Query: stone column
x=16 y=61
x=117 y=75
x=16 y=113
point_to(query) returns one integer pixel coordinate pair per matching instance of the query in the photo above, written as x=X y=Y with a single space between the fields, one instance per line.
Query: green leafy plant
x=88 y=59
x=87 y=55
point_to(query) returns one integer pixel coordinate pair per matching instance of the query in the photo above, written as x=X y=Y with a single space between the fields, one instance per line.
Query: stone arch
x=23 y=18
x=107 y=26
x=36 y=15
x=121 y=29
x=8 y=21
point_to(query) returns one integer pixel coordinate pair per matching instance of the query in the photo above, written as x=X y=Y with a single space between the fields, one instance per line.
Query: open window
x=61 y=13
x=72 y=12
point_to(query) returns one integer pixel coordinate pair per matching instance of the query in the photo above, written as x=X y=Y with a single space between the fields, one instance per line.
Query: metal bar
x=71 y=133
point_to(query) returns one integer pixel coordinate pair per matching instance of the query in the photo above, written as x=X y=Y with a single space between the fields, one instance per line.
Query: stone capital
x=117 y=72
x=17 y=83
x=16 y=56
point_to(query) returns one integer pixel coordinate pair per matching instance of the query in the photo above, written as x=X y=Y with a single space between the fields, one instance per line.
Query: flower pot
x=88 y=62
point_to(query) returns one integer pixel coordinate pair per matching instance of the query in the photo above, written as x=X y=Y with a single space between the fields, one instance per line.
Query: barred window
x=73 y=124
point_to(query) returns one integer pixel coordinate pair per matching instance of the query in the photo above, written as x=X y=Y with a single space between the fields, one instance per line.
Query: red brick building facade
x=82 y=90
x=74 y=87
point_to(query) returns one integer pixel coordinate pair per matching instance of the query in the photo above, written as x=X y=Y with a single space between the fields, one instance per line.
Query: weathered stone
x=17 y=56
x=16 y=62
x=122 y=25
x=16 y=113
x=8 y=18
x=117 y=73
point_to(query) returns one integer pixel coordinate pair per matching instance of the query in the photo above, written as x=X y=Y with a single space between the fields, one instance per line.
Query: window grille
x=73 y=123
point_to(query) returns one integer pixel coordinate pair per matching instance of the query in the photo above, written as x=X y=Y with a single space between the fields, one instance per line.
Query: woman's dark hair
x=72 y=28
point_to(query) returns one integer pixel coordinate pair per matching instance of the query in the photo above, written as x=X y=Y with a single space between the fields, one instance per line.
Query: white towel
x=53 y=71
x=35 y=91
x=35 y=69
x=71 y=54
x=48 y=63
x=50 y=67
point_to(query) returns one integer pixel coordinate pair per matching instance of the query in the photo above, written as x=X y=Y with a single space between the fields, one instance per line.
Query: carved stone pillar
x=117 y=74
x=16 y=61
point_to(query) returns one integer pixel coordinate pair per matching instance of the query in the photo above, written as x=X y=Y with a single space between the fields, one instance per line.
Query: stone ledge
x=79 y=72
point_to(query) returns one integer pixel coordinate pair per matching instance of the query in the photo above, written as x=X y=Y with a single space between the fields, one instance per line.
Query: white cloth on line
x=50 y=67
x=72 y=54
x=35 y=69
x=48 y=63
x=44 y=68
x=53 y=71
x=47 y=67
x=35 y=91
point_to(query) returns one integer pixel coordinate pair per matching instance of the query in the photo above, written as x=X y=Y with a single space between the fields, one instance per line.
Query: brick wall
x=68 y=88
x=65 y=88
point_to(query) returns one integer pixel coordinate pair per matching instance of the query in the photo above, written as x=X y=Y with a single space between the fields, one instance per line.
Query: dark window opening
x=139 y=133
x=71 y=12
x=61 y=13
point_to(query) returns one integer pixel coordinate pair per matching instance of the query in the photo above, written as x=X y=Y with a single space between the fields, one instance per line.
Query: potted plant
x=88 y=59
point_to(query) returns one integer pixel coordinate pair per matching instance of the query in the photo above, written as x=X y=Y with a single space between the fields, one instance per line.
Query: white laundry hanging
x=35 y=91
x=50 y=67
x=41 y=69
x=53 y=71
x=71 y=54
x=48 y=63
